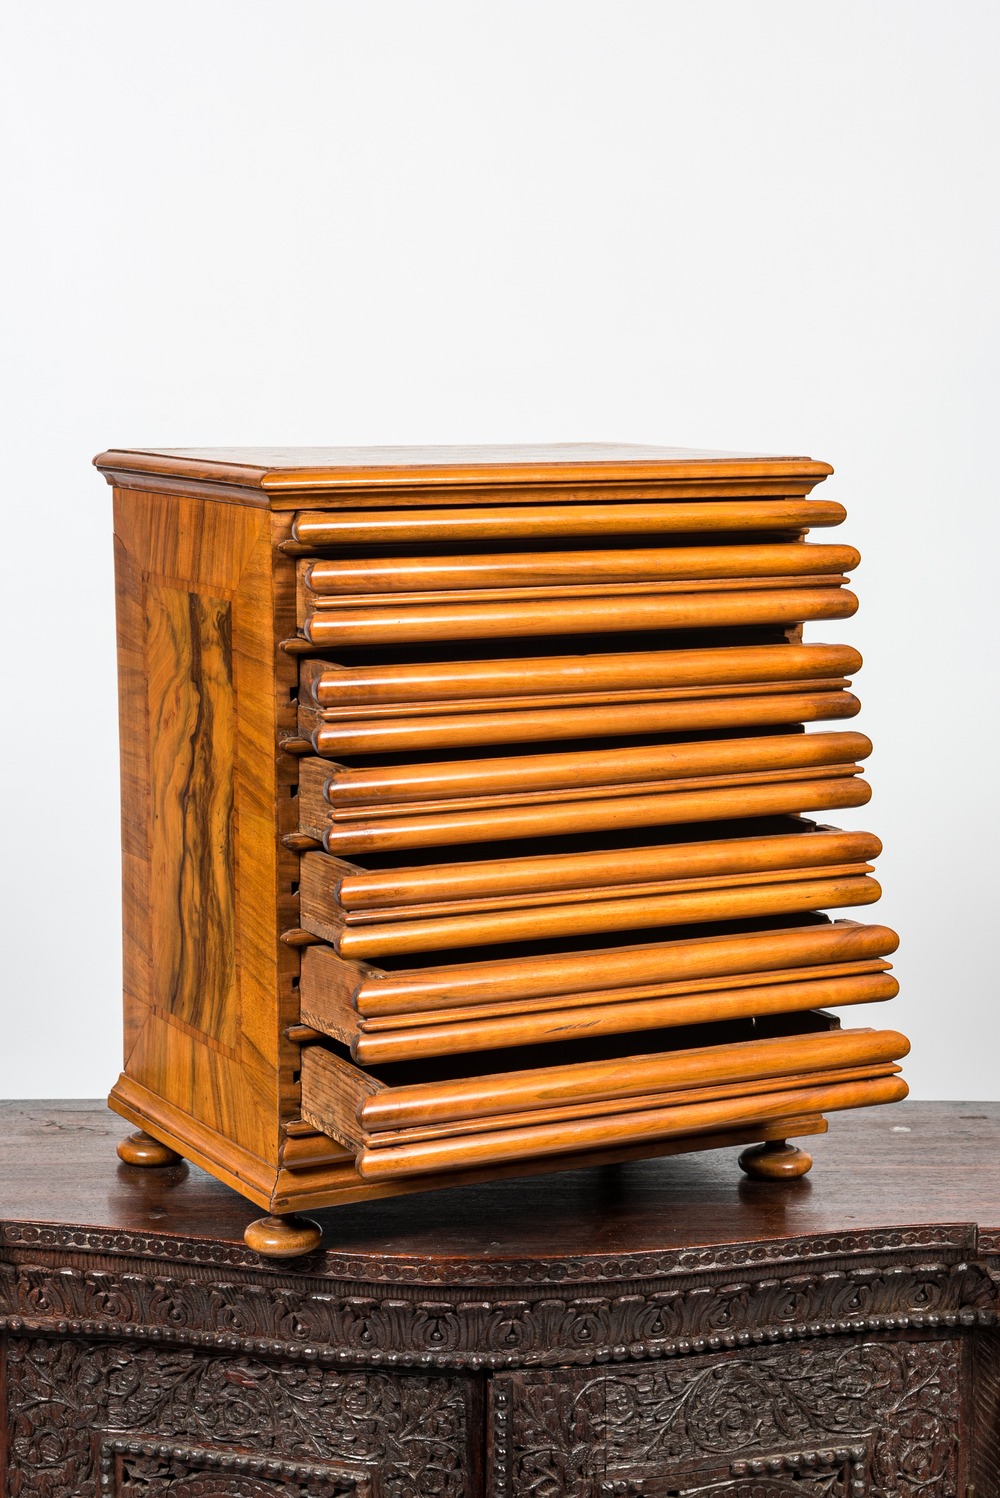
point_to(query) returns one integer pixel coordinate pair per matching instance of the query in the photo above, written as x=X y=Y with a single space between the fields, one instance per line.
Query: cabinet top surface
x=290 y=468
x=909 y=1165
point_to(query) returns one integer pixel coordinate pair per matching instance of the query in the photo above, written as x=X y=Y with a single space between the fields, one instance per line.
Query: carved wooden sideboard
x=656 y=1328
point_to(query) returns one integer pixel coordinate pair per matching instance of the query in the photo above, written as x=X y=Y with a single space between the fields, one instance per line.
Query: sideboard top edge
x=954 y=1241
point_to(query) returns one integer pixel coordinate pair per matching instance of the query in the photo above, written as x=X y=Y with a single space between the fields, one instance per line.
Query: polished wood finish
x=538 y=569
x=603 y=970
x=777 y=1160
x=877 y=1171
x=415 y=623
x=682 y=990
x=757 y=794
x=514 y=775
x=422 y=1103
x=201 y=789
x=680 y=1119
x=452 y=731
x=249 y=951
x=287 y=1237
x=606 y=1108
x=451 y=1036
x=569 y=676
x=474 y=525
x=400 y=938
x=143 y=1150
x=500 y=880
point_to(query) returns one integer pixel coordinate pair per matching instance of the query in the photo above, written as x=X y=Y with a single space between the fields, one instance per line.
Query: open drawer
x=428 y=706
x=473 y=800
x=485 y=593
x=546 y=998
x=403 y=1120
x=792 y=866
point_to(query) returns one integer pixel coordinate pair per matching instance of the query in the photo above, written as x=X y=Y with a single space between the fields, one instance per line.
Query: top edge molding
x=287 y=471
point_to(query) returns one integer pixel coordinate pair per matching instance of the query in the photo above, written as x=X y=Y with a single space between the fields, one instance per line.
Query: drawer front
x=417 y=707
x=639 y=669
x=527 y=1111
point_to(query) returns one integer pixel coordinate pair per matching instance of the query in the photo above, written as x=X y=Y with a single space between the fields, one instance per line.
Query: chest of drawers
x=469 y=820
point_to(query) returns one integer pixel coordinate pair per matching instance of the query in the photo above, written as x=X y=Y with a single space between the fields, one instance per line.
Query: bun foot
x=142 y=1149
x=777 y=1160
x=283 y=1237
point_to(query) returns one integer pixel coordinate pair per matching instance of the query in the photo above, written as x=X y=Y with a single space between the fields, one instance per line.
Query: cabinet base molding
x=289 y=1191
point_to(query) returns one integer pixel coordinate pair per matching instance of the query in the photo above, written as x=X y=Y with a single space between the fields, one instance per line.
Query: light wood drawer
x=522 y=1111
x=544 y=999
x=358 y=710
x=314 y=528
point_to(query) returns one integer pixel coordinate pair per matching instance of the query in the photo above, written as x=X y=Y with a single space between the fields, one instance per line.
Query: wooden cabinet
x=469 y=820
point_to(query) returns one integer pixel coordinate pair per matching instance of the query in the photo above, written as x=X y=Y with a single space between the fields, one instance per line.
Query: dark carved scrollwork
x=649 y=1319
x=136 y=1468
x=64 y=1393
x=855 y=1417
x=585 y=1269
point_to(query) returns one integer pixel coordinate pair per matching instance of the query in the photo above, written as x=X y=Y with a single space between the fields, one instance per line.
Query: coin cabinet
x=476 y=816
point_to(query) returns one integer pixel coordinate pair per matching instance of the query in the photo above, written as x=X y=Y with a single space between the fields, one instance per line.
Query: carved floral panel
x=65 y=1396
x=848 y=1418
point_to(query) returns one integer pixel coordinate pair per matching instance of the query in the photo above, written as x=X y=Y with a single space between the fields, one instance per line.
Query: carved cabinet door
x=126 y=1420
x=843 y=1417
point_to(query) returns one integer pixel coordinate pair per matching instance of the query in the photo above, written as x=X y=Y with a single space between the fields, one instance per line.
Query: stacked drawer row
x=558 y=891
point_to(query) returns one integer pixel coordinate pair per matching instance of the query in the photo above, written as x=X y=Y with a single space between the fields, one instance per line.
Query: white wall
x=701 y=222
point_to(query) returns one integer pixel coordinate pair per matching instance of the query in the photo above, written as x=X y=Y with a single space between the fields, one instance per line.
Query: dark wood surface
x=904 y=1164
x=653 y=1328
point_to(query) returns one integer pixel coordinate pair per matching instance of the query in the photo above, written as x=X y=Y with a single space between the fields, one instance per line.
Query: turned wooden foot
x=283 y=1237
x=143 y=1149
x=777 y=1160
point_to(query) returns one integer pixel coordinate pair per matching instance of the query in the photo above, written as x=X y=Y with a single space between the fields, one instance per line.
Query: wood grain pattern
x=622 y=1079
x=509 y=727
x=379 y=809
x=541 y=923
x=536 y=569
x=473 y=524
x=788 y=791
x=133 y=742
x=191 y=726
x=310 y=603
x=646 y=1125
x=635 y=1103
x=500 y=879
x=555 y=1025
x=720 y=990
x=197 y=612
x=221 y=798
x=330 y=986
x=477 y=777
x=333 y=629
x=369 y=1107
x=677 y=1225
x=602 y=970
x=560 y=678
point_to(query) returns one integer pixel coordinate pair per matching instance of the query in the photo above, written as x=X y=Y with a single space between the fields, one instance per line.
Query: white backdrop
x=708 y=223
